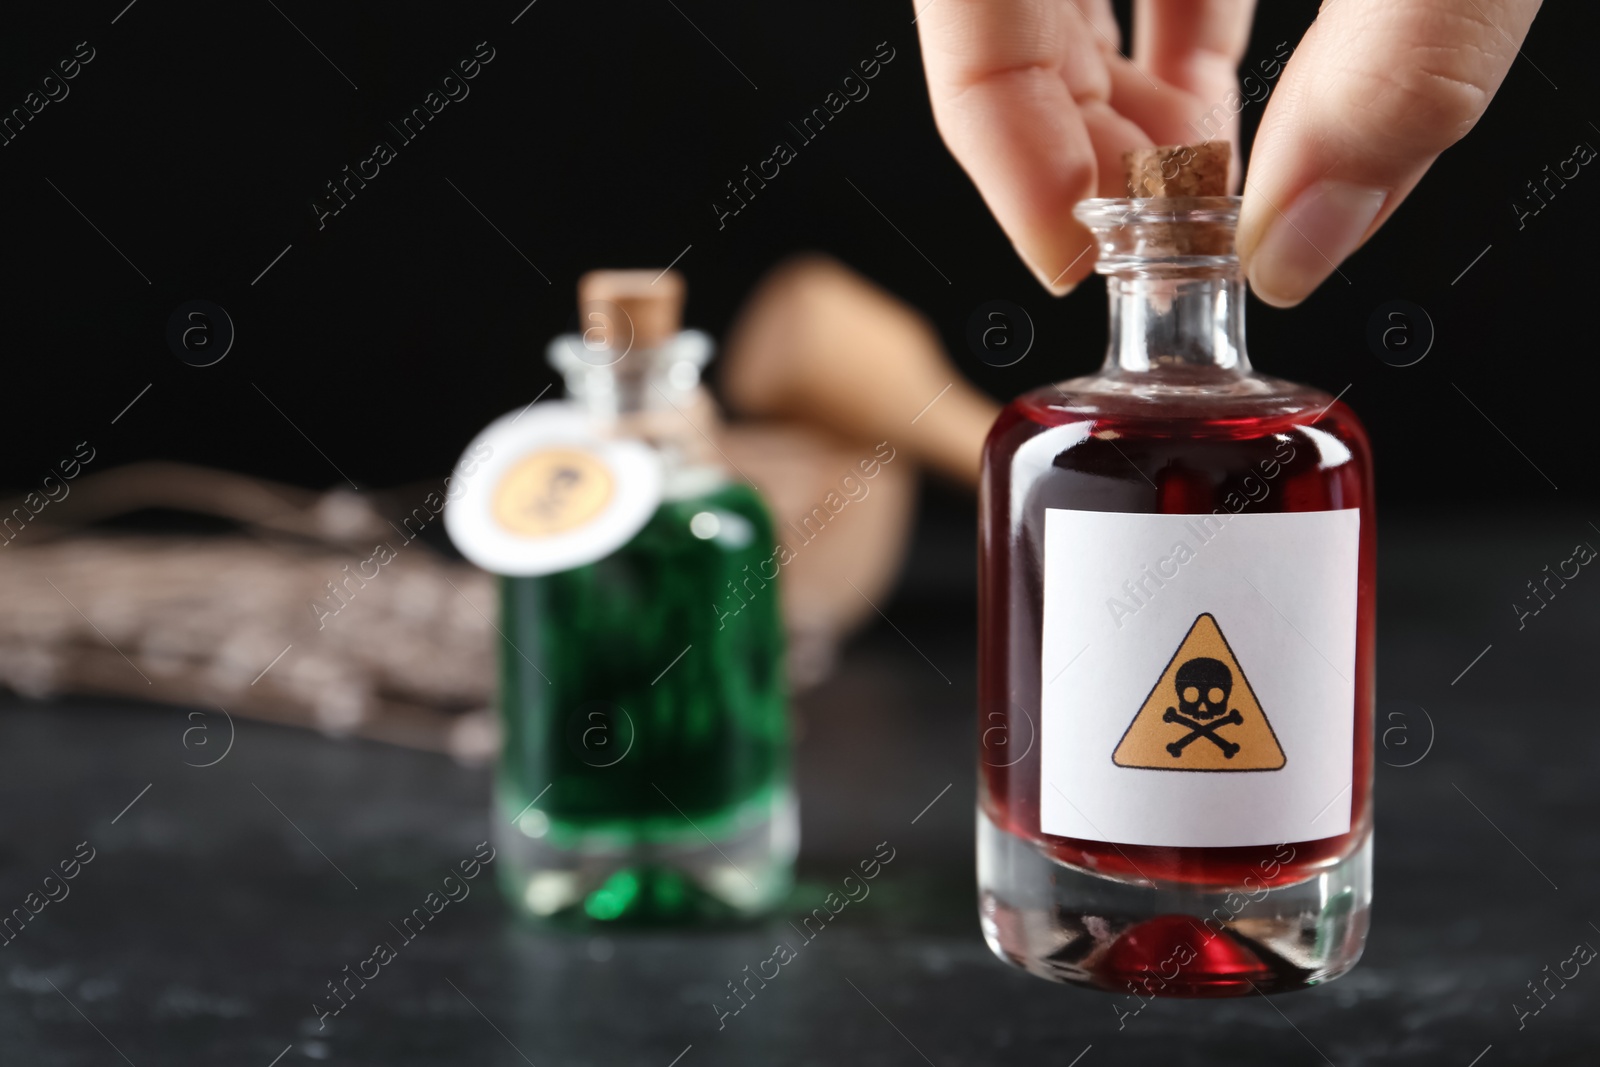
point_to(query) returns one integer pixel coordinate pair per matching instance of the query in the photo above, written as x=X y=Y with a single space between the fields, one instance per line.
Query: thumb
x=1376 y=90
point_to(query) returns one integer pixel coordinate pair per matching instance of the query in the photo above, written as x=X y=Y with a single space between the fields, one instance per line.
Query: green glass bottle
x=644 y=774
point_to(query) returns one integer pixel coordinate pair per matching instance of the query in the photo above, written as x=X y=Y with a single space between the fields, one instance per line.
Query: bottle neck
x=637 y=384
x=1185 y=321
x=635 y=381
x=652 y=395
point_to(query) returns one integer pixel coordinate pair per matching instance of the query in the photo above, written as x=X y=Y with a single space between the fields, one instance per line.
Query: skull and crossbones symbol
x=1203 y=686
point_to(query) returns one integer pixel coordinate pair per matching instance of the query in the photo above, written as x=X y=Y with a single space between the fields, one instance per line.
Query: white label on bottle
x=1198 y=677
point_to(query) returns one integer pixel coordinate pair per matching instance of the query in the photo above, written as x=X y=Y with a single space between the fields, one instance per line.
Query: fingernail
x=1303 y=245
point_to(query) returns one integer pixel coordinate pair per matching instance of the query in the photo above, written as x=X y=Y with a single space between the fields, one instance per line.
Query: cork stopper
x=1172 y=171
x=623 y=309
x=1178 y=170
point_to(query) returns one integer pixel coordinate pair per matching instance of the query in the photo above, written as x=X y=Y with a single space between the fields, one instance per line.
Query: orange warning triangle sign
x=1201 y=715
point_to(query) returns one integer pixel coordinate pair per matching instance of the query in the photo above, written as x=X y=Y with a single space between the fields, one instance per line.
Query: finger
x=1103 y=21
x=1020 y=94
x=1166 y=114
x=1113 y=120
x=1374 y=93
x=1195 y=47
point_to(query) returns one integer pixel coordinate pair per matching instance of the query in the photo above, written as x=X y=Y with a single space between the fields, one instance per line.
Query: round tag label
x=553 y=493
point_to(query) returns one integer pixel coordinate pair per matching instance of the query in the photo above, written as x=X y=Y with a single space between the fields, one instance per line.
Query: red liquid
x=1202 y=962
x=1179 y=454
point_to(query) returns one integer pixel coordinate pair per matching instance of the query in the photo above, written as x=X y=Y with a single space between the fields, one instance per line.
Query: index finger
x=1021 y=95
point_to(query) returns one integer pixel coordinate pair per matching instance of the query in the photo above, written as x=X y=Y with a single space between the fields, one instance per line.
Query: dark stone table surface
x=219 y=904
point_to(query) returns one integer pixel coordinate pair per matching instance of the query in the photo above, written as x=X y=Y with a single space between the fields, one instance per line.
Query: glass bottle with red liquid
x=1176 y=646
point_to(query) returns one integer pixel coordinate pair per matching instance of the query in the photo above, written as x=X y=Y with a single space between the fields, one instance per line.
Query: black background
x=600 y=135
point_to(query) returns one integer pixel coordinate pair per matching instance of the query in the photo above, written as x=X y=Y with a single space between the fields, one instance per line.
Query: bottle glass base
x=1165 y=939
x=589 y=878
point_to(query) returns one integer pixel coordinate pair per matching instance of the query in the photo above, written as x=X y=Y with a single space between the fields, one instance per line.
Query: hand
x=1035 y=101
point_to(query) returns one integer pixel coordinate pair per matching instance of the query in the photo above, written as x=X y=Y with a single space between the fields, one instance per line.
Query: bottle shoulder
x=727 y=494
x=1188 y=402
x=1109 y=447
x=730 y=516
x=1198 y=394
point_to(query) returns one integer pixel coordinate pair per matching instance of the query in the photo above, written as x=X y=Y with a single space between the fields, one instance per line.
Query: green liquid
x=638 y=710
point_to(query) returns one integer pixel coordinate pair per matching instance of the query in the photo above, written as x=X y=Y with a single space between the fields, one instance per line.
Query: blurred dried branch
x=198 y=620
